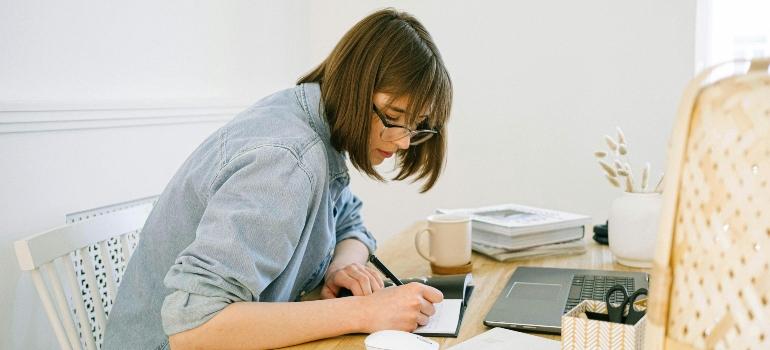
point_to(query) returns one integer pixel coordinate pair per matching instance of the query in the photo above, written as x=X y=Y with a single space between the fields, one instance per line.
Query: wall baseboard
x=45 y=118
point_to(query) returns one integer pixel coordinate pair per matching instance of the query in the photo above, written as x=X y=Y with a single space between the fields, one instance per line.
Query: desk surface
x=489 y=276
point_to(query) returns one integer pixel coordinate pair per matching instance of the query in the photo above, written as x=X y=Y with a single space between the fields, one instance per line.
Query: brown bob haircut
x=390 y=52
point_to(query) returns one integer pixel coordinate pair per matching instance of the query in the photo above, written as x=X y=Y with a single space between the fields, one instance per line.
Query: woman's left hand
x=359 y=279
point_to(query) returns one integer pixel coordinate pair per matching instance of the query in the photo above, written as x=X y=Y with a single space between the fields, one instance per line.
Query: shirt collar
x=309 y=96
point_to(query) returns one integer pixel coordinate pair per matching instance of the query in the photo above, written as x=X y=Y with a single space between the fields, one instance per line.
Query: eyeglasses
x=392 y=132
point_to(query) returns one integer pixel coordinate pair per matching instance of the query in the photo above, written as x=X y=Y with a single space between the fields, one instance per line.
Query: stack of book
x=513 y=231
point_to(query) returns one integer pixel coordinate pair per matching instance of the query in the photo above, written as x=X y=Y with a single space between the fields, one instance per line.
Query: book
x=504 y=339
x=528 y=240
x=517 y=219
x=457 y=290
x=574 y=247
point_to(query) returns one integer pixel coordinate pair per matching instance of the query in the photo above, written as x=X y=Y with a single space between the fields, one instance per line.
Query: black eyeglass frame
x=421 y=135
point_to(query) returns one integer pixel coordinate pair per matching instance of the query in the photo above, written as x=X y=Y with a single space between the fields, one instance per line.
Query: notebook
x=505 y=339
x=457 y=290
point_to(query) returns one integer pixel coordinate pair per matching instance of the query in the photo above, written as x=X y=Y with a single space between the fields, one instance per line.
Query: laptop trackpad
x=534 y=291
x=537 y=302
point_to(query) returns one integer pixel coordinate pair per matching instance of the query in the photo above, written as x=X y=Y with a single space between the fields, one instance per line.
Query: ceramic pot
x=633 y=228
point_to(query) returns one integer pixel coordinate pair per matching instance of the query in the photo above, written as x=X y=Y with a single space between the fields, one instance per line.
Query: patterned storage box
x=582 y=333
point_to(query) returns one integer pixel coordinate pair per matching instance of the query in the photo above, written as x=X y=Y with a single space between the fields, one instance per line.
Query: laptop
x=535 y=298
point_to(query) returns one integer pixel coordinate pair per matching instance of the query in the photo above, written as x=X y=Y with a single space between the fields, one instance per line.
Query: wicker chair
x=711 y=280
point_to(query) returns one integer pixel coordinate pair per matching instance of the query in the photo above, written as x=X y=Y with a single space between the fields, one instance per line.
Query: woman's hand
x=403 y=307
x=360 y=279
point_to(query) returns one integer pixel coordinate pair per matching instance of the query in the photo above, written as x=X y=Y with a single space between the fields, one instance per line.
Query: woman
x=261 y=212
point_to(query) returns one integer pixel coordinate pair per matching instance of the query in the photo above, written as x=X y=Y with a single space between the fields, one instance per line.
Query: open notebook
x=505 y=339
x=457 y=291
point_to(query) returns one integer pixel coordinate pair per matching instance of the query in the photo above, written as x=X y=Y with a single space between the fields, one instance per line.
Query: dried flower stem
x=611 y=143
x=659 y=186
x=621 y=137
x=629 y=183
x=616 y=167
x=608 y=169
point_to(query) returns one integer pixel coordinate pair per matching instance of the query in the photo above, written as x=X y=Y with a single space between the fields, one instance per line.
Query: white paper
x=445 y=319
x=506 y=339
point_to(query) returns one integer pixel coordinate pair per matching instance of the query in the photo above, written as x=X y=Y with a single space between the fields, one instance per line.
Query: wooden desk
x=489 y=276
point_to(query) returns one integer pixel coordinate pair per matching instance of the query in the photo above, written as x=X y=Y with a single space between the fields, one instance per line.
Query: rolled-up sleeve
x=255 y=214
x=349 y=221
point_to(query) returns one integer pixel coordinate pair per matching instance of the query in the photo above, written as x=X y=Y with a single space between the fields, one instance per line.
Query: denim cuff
x=364 y=237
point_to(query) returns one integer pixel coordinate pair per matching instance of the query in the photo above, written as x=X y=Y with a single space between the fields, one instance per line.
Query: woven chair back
x=711 y=281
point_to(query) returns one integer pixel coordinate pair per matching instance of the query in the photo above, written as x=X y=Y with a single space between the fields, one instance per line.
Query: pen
x=380 y=266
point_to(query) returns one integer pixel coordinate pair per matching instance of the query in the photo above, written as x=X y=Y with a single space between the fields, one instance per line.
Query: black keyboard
x=594 y=287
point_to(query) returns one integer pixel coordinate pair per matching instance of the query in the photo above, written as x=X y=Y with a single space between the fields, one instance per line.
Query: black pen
x=380 y=266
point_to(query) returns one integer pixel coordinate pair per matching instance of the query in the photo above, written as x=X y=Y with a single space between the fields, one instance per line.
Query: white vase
x=633 y=228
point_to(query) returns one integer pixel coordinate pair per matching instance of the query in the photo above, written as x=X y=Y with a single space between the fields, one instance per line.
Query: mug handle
x=417 y=245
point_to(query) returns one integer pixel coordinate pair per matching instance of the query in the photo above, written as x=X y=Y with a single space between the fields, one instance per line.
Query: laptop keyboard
x=594 y=287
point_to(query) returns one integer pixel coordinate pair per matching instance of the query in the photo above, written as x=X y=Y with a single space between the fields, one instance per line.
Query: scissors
x=616 y=311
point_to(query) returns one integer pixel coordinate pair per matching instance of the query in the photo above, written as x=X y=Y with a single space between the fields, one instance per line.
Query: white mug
x=449 y=240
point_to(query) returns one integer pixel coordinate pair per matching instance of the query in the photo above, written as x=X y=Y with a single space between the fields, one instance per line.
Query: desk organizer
x=581 y=333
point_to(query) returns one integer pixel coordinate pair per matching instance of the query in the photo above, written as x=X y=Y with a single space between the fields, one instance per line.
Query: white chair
x=90 y=253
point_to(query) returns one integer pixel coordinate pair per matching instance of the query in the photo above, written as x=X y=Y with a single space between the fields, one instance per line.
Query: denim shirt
x=253 y=214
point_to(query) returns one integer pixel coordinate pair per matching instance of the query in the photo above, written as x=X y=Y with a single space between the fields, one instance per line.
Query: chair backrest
x=710 y=287
x=76 y=268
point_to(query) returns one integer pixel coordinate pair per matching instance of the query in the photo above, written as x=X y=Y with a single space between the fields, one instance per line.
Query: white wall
x=118 y=62
x=732 y=29
x=537 y=85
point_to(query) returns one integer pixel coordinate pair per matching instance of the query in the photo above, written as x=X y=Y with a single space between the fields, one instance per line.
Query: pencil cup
x=582 y=333
x=449 y=243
